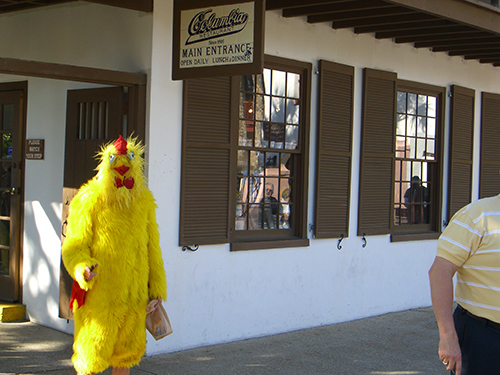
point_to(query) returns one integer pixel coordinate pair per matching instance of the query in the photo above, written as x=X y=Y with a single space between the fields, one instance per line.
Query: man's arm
x=441 y=280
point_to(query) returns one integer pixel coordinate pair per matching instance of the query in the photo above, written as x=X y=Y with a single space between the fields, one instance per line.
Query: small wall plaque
x=35 y=149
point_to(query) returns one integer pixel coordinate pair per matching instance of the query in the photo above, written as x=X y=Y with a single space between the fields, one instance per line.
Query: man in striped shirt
x=470 y=247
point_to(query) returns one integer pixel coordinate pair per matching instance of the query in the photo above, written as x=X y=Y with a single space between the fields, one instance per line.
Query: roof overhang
x=468 y=28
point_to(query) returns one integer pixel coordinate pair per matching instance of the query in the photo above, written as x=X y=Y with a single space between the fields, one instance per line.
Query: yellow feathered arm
x=157 y=278
x=76 y=252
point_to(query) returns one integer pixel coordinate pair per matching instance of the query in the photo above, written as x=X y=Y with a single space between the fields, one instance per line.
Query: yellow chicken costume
x=112 y=231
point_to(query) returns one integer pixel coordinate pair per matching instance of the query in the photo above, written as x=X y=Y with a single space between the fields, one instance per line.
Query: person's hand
x=88 y=273
x=450 y=353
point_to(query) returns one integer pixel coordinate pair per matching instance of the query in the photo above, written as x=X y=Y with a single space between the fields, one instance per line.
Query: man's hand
x=88 y=273
x=450 y=353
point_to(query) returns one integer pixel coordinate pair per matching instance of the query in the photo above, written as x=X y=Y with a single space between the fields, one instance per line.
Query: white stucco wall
x=216 y=295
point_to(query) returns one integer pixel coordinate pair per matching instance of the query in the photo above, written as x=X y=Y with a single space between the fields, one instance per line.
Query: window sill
x=402 y=237
x=265 y=245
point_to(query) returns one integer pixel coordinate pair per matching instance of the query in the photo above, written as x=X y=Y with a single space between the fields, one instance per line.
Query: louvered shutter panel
x=205 y=161
x=461 y=135
x=334 y=147
x=489 y=181
x=377 y=152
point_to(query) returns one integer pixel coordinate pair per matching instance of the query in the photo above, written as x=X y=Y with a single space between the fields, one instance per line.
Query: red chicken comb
x=121 y=146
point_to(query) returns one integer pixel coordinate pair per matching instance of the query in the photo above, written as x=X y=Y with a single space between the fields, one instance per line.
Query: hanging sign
x=217 y=37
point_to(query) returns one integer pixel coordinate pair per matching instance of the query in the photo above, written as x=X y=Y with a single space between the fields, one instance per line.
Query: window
x=415 y=156
x=401 y=143
x=248 y=135
x=269 y=133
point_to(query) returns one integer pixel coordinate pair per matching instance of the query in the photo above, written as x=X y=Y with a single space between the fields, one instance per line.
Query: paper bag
x=157 y=322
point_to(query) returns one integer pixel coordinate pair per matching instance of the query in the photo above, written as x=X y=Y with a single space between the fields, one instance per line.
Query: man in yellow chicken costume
x=113 y=254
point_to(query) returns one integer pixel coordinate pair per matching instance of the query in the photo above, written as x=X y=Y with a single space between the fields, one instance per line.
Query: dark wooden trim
x=403 y=237
x=465 y=12
x=489 y=158
x=70 y=72
x=264 y=245
x=140 y=5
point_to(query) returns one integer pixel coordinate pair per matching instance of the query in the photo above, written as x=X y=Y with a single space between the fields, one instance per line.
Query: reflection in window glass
x=269 y=131
x=7 y=145
x=8 y=117
x=4 y=262
x=415 y=151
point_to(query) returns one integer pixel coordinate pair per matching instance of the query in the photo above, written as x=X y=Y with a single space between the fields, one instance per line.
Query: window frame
x=433 y=228
x=276 y=238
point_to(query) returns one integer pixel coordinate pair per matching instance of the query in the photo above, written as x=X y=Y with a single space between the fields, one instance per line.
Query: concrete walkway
x=402 y=343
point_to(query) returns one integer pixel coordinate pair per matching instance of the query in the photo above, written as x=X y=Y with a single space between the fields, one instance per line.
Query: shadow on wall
x=42 y=254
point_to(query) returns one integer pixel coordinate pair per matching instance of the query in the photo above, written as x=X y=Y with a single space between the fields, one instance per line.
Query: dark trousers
x=479 y=342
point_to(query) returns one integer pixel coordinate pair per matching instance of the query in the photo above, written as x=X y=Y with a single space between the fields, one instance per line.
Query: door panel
x=93 y=117
x=11 y=105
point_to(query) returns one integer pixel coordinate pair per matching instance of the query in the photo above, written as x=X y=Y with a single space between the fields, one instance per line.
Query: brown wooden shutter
x=334 y=149
x=206 y=161
x=489 y=180
x=461 y=136
x=377 y=152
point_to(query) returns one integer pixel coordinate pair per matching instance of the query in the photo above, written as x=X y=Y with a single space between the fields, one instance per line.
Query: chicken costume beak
x=121 y=149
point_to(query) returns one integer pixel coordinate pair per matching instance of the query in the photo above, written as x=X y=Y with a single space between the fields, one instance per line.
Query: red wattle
x=129 y=182
x=118 y=183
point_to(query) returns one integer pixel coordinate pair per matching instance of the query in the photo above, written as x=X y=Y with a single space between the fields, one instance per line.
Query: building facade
x=368 y=136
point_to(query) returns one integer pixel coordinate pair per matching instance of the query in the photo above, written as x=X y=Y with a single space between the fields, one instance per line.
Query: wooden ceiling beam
x=480 y=56
x=402 y=26
x=448 y=30
x=350 y=15
x=382 y=20
x=443 y=37
x=336 y=7
x=493 y=60
x=472 y=50
x=483 y=40
x=288 y=4
x=140 y=5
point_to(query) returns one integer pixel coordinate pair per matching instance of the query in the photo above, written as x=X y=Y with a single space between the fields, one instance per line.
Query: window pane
x=406 y=171
x=272 y=164
x=278 y=110
x=401 y=125
x=256 y=163
x=6 y=175
x=246 y=106
x=242 y=193
x=4 y=262
x=246 y=133
x=411 y=148
x=279 y=78
x=412 y=104
x=4 y=233
x=267 y=81
x=242 y=163
x=293 y=85
x=286 y=164
x=431 y=128
x=422 y=105
x=261 y=109
x=292 y=137
x=431 y=150
x=8 y=116
x=422 y=127
x=7 y=146
x=420 y=148
x=277 y=136
x=431 y=106
x=292 y=111
x=247 y=83
x=261 y=134
x=254 y=217
x=271 y=206
x=400 y=147
x=411 y=129
x=241 y=217
x=401 y=102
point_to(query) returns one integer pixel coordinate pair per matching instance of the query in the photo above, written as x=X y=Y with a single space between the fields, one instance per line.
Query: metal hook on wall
x=194 y=248
x=364 y=241
x=338 y=243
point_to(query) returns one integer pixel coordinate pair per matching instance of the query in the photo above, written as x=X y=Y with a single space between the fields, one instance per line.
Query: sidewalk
x=402 y=343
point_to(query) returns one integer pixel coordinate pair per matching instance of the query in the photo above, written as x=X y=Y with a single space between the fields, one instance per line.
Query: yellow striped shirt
x=471 y=241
